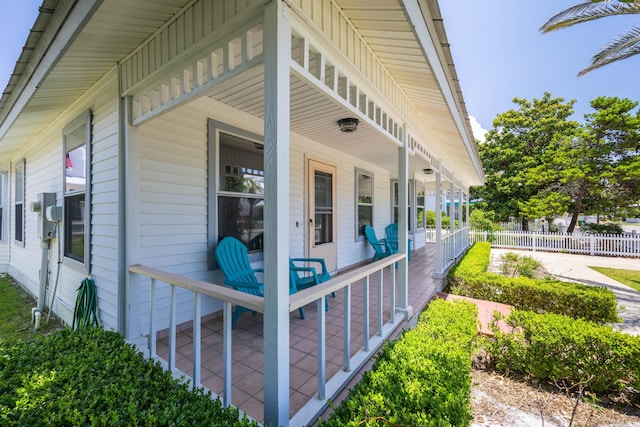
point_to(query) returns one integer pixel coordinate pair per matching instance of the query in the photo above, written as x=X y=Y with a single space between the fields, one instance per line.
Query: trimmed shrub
x=92 y=377
x=558 y=348
x=470 y=278
x=423 y=378
x=608 y=228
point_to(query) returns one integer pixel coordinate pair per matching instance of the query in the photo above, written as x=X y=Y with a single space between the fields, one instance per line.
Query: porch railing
x=586 y=244
x=343 y=282
x=453 y=245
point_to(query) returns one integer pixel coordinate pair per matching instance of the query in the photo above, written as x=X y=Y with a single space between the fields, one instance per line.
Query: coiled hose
x=85 y=312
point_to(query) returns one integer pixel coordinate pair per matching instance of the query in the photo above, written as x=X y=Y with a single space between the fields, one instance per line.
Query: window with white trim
x=77 y=164
x=236 y=183
x=420 y=203
x=364 y=201
x=394 y=198
x=19 y=202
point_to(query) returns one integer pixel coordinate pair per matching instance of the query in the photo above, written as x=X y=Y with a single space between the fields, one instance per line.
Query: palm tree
x=624 y=46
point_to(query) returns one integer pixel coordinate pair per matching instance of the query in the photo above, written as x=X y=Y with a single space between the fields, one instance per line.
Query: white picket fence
x=627 y=245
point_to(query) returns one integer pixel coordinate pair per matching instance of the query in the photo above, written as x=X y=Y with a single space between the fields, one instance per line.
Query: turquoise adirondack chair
x=381 y=247
x=310 y=276
x=233 y=259
x=391 y=236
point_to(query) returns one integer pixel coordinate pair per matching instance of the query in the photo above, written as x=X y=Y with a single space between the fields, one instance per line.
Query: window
x=19 y=202
x=77 y=161
x=420 y=203
x=236 y=206
x=364 y=201
x=3 y=203
x=395 y=203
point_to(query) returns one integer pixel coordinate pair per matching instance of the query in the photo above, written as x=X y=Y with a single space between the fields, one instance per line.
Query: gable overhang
x=72 y=45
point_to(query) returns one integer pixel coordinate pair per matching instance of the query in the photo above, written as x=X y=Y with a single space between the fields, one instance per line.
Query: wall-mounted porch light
x=349 y=124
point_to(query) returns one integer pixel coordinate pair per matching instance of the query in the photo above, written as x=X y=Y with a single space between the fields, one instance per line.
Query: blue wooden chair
x=391 y=236
x=381 y=247
x=310 y=276
x=233 y=259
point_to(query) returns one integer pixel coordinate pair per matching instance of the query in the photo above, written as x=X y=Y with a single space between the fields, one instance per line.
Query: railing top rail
x=252 y=302
x=304 y=297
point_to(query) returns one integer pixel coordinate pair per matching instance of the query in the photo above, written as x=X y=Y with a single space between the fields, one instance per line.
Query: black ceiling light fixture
x=349 y=124
x=427 y=171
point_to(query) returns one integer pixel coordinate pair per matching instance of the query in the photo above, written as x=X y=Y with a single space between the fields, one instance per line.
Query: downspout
x=122 y=314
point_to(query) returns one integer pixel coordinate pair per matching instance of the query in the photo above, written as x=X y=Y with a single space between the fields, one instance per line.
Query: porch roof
x=81 y=41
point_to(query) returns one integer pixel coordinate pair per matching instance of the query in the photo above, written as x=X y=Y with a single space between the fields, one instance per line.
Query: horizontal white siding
x=44 y=173
x=350 y=249
x=172 y=202
x=4 y=223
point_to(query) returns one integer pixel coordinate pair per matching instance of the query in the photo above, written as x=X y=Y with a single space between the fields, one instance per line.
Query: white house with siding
x=159 y=127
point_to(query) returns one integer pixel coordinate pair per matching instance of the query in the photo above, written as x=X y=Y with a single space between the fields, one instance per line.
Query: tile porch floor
x=247 y=342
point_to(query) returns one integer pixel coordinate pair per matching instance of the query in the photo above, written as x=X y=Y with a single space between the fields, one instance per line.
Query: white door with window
x=321 y=208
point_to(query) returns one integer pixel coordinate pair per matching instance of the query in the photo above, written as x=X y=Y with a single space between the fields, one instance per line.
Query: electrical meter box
x=45 y=227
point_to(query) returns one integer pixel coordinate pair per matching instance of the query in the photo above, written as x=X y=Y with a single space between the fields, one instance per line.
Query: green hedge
x=470 y=278
x=558 y=348
x=423 y=378
x=92 y=377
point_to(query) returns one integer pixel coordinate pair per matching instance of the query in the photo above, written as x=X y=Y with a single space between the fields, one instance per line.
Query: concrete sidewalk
x=576 y=268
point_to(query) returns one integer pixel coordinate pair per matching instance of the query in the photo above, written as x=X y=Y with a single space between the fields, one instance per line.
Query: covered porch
x=349 y=341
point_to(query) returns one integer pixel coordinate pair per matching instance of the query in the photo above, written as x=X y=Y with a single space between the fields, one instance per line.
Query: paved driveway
x=576 y=268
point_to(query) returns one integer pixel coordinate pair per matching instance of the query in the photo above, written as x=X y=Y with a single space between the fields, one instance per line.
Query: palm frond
x=626 y=41
x=624 y=54
x=590 y=11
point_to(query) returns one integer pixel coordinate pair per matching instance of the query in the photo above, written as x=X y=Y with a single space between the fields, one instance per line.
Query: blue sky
x=497 y=49
x=15 y=22
x=500 y=54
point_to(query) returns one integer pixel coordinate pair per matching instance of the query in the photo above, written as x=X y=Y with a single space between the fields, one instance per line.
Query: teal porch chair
x=310 y=276
x=233 y=259
x=391 y=237
x=381 y=247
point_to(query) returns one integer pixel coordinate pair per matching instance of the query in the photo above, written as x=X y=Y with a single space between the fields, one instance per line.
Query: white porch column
x=439 y=255
x=452 y=199
x=277 y=52
x=460 y=206
x=403 y=222
x=468 y=203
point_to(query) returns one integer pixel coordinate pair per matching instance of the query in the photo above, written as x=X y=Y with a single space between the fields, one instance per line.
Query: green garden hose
x=86 y=308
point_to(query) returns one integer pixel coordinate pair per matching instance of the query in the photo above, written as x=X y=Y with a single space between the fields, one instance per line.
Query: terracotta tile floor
x=247 y=342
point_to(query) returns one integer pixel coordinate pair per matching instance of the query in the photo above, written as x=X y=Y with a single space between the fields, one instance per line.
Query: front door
x=322 y=224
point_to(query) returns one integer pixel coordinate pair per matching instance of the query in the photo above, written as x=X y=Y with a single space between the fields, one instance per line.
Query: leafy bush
x=561 y=349
x=480 y=220
x=92 y=377
x=430 y=217
x=609 y=228
x=424 y=378
x=470 y=278
x=516 y=265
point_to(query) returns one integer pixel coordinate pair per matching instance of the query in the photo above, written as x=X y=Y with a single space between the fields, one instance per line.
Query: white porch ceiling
x=114 y=30
x=314 y=115
x=119 y=26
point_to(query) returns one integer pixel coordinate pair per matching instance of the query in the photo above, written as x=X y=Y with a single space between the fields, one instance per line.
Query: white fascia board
x=73 y=24
x=416 y=18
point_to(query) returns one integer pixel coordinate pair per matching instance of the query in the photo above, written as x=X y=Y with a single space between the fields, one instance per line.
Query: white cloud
x=476 y=128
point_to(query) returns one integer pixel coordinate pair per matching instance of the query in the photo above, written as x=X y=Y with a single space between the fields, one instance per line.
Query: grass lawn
x=15 y=313
x=630 y=278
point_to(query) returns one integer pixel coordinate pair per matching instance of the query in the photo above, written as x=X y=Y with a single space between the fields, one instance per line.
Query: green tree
x=539 y=164
x=622 y=47
x=516 y=145
x=591 y=166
